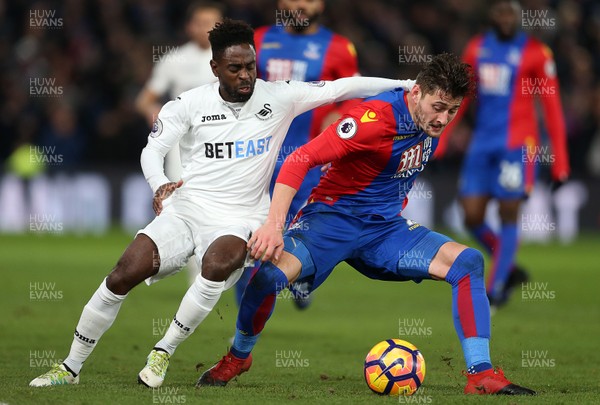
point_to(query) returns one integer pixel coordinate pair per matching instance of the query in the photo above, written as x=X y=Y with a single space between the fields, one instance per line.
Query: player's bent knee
x=473 y=260
x=468 y=262
x=266 y=278
x=216 y=270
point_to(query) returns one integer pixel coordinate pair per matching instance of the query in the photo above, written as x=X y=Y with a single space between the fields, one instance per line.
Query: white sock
x=197 y=303
x=97 y=316
x=193 y=269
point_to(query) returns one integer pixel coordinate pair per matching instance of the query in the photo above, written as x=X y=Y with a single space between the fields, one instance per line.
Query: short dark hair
x=447 y=73
x=229 y=33
x=201 y=6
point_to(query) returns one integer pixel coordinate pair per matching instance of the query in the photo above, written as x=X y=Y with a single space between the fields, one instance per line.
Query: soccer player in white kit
x=229 y=135
x=179 y=70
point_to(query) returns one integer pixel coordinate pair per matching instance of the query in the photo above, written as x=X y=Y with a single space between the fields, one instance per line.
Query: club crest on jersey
x=312 y=51
x=514 y=56
x=265 y=113
x=157 y=128
x=347 y=128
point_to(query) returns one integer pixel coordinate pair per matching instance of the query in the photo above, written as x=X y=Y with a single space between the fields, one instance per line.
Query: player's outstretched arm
x=267 y=241
x=307 y=96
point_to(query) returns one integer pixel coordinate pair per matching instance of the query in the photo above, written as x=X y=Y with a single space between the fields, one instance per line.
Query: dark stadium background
x=100 y=53
x=67 y=91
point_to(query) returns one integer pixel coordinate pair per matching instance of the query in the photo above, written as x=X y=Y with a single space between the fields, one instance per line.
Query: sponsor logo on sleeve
x=317 y=83
x=157 y=128
x=347 y=128
x=369 y=116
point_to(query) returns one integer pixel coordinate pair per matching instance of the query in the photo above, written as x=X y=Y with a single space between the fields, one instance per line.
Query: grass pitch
x=546 y=338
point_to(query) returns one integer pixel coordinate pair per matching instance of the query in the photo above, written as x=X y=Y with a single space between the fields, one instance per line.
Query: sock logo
x=84 y=339
x=185 y=328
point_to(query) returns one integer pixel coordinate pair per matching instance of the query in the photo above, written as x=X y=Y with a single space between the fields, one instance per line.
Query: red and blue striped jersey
x=510 y=76
x=323 y=55
x=376 y=152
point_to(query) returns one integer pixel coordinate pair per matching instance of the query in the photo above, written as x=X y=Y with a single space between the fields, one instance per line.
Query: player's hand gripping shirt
x=376 y=151
x=228 y=155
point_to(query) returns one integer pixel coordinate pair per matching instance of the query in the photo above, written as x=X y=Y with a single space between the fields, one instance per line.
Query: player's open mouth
x=244 y=90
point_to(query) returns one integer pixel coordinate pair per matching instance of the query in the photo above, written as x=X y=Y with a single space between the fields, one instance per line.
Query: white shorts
x=184 y=229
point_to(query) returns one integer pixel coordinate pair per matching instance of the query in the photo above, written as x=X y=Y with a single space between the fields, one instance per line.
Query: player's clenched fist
x=162 y=193
x=266 y=242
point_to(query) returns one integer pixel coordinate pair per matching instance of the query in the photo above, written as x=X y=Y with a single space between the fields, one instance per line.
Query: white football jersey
x=181 y=69
x=228 y=156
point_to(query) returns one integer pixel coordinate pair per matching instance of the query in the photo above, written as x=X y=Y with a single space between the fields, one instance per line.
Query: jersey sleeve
x=346 y=136
x=160 y=79
x=545 y=71
x=172 y=124
x=306 y=96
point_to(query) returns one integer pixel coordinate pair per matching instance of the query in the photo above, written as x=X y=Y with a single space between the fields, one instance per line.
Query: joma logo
x=213 y=117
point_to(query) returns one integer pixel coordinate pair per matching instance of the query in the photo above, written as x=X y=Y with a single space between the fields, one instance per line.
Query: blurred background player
x=297 y=47
x=182 y=69
x=512 y=70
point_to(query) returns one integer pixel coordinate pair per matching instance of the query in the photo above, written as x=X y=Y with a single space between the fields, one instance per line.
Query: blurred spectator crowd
x=71 y=69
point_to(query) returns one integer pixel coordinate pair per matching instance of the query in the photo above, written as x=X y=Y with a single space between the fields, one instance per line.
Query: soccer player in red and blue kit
x=376 y=151
x=297 y=47
x=512 y=70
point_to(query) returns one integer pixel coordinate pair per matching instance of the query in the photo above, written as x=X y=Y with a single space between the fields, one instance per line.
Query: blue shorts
x=500 y=174
x=396 y=249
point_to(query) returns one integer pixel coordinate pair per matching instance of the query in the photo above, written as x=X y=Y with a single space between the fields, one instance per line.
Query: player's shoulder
x=199 y=95
x=259 y=34
x=260 y=31
x=278 y=89
x=378 y=110
x=534 y=45
x=342 y=44
x=476 y=42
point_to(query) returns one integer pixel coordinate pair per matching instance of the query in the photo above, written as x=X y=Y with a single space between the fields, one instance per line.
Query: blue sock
x=503 y=259
x=240 y=286
x=485 y=236
x=243 y=345
x=477 y=354
x=256 y=307
x=471 y=308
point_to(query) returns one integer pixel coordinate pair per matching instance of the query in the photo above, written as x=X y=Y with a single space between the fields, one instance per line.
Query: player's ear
x=415 y=93
x=213 y=67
